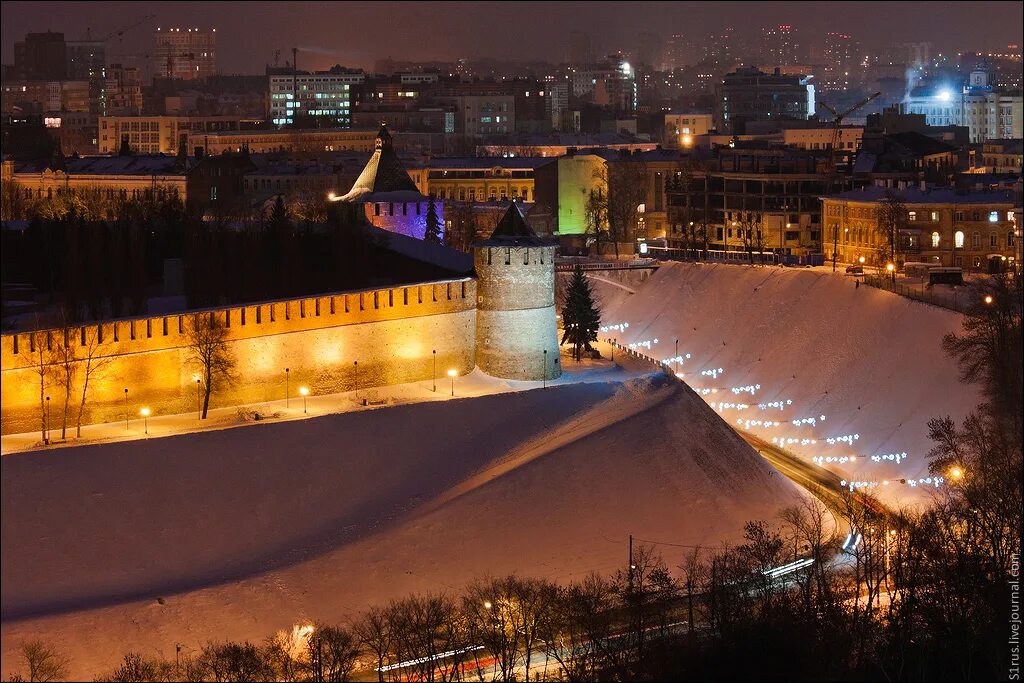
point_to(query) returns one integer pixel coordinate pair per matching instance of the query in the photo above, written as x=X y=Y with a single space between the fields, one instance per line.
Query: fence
x=956 y=300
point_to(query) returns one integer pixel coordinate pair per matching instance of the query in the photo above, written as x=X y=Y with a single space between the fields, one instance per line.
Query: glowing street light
x=199 y=401
x=304 y=392
x=956 y=473
x=988 y=298
x=487 y=604
x=287 y=394
x=861 y=259
x=453 y=373
x=433 y=373
x=145 y=418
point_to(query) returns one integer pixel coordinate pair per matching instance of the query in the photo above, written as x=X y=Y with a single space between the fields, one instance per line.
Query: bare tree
x=374 y=632
x=135 y=667
x=332 y=653
x=44 y=662
x=232 y=662
x=891 y=221
x=93 y=362
x=207 y=337
x=65 y=366
x=627 y=189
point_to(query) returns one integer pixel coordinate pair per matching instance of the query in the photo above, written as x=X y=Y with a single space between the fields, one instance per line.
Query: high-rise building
x=839 y=55
x=988 y=113
x=185 y=53
x=780 y=45
x=721 y=50
x=122 y=93
x=41 y=57
x=676 y=51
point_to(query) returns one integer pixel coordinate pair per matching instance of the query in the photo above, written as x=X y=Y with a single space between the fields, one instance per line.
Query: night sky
x=356 y=34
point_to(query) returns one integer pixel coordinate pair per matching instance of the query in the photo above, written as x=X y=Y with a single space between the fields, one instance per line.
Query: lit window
x=935 y=239
x=993 y=217
x=958 y=239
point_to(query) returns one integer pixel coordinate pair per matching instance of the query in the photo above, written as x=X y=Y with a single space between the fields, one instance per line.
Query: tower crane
x=837 y=123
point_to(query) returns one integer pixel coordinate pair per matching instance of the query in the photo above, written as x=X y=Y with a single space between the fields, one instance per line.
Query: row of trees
x=71 y=360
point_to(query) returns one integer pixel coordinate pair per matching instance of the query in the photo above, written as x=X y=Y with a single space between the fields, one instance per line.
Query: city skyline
x=544 y=32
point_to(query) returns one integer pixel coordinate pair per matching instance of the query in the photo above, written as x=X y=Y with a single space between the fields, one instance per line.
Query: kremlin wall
x=502 y=320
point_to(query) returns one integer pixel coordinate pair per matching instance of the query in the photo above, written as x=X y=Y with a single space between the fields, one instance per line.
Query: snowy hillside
x=859 y=366
x=241 y=532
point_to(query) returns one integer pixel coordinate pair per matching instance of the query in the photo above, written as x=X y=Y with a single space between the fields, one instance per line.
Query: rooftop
x=513 y=231
x=931 y=195
x=135 y=164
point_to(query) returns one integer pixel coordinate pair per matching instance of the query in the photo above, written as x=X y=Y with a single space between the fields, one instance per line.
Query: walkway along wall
x=391 y=332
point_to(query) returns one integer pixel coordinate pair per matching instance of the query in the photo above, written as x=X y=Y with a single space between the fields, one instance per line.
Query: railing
x=605 y=265
x=958 y=300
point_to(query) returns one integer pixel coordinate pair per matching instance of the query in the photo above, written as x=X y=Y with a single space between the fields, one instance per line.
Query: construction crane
x=119 y=33
x=837 y=124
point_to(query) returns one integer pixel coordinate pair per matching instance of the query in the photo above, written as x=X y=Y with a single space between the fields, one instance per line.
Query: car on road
x=855 y=270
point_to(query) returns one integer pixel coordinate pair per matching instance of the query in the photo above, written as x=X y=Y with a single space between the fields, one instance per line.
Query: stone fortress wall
x=516 y=321
x=392 y=333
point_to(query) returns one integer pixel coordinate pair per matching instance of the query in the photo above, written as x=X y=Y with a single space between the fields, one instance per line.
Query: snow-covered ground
x=859 y=366
x=234 y=533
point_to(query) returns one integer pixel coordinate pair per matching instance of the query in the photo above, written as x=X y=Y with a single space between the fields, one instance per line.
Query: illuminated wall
x=577 y=176
x=407 y=218
x=391 y=332
x=516 y=312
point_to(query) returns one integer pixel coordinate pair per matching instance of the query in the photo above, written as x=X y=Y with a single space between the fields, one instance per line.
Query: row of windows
x=493 y=194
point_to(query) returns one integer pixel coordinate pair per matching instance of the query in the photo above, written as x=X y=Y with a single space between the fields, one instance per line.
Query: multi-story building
x=293 y=140
x=975 y=230
x=820 y=137
x=780 y=45
x=556 y=145
x=681 y=129
x=1001 y=156
x=122 y=93
x=749 y=94
x=774 y=193
x=311 y=99
x=566 y=184
x=41 y=57
x=186 y=54
x=158 y=134
x=478 y=179
x=987 y=112
x=118 y=176
x=85 y=59
x=839 y=53
x=477 y=115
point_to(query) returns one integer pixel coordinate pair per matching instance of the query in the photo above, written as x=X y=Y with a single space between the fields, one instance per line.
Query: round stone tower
x=515 y=309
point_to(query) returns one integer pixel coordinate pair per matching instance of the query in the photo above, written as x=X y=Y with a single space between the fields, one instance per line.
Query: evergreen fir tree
x=433 y=232
x=126 y=149
x=580 y=315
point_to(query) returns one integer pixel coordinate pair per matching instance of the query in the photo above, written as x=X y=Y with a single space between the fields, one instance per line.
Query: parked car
x=854 y=270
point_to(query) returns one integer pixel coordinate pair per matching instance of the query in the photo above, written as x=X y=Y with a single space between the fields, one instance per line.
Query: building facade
x=186 y=54
x=942 y=226
x=158 y=134
x=312 y=99
x=479 y=179
x=749 y=94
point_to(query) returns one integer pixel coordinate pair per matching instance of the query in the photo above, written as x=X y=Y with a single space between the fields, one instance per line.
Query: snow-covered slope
x=245 y=531
x=869 y=361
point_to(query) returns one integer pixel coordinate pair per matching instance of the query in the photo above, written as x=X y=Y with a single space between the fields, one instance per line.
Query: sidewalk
x=474 y=384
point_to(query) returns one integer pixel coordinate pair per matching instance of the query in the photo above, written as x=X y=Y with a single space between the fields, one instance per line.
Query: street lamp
x=453 y=374
x=145 y=419
x=956 y=473
x=46 y=419
x=675 y=361
x=126 y=408
x=433 y=373
x=304 y=392
x=544 y=374
x=988 y=298
x=287 y=394
x=199 y=401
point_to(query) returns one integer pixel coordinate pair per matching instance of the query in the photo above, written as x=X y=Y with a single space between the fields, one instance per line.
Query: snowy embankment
x=846 y=377
x=237 y=533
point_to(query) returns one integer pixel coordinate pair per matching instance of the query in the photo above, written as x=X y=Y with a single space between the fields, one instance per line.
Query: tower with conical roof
x=516 y=332
x=389 y=196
